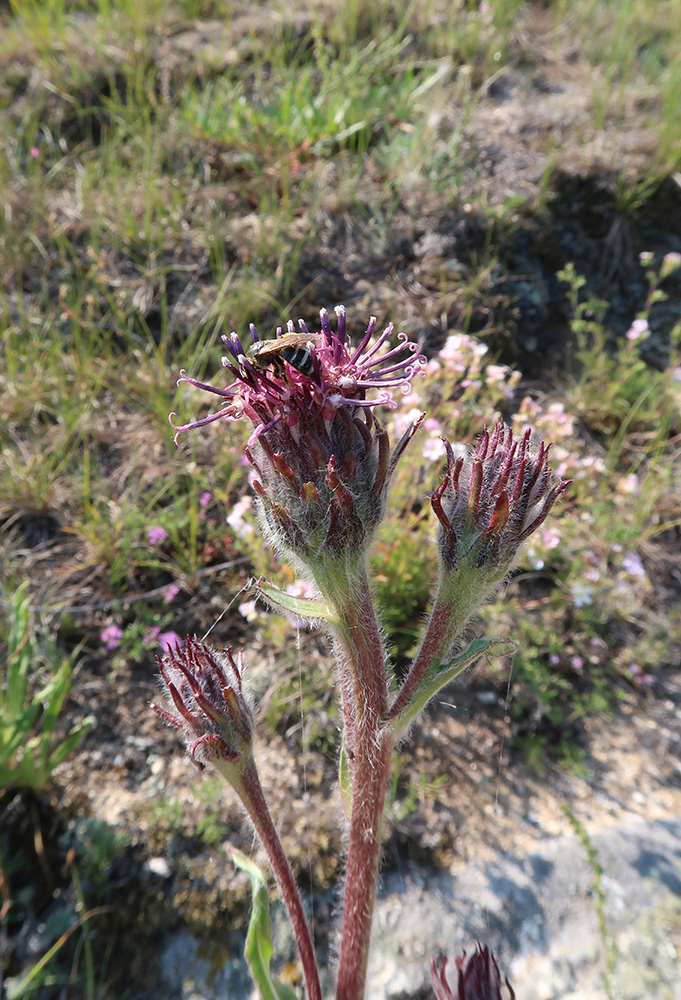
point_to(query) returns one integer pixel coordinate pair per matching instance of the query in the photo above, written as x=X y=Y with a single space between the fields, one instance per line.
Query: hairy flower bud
x=479 y=978
x=491 y=501
x=205 y=700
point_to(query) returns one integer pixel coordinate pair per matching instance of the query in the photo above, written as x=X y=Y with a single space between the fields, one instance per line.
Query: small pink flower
x=156 y=535
x=205 y=499
x=549 y=538
x=171 y=592
x=111 y=636
x=581 y=595
x=639 y=330
x=640 y=677
x=152 y=635
x=434 y=449
x=670 y=262
x=249 y=610
x=629 y=485
x=236 y=520
x=576 y=662
x=35 y=152
x=168 y=641
x=632 y=564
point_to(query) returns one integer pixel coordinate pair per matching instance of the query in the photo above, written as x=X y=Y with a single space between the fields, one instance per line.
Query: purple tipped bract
x=204 y=697
x=491 y=501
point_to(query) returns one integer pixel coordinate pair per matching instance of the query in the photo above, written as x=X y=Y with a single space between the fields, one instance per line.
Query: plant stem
x=252 y=796
x=364 y=685
x=370 y=779
x=444 y=626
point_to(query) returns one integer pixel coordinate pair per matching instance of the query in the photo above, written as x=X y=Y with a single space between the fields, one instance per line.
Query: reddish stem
x=436 y=643
x=254 y=801
x=363 y=664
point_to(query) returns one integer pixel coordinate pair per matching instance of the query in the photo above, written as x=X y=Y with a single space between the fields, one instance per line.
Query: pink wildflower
x=156 y=535
x=321 y=458
x=111 y=636
x=639 y=329
x=168 y=641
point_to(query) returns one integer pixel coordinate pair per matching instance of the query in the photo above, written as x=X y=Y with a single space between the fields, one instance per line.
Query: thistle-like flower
x=322 y=459
x=205 y=700
x=491 y=501
x=479 y=978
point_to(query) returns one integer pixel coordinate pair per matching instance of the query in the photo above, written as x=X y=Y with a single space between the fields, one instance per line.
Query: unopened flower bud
x=491 y=501
x=203 y=691
x=478 y=978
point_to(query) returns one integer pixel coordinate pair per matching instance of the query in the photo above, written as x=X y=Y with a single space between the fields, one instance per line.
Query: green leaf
x=303 y=607
x=258 y=949
x=437 y=677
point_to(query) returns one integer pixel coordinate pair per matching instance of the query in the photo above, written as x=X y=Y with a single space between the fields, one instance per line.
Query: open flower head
x=492 y=500
x=204 y=696
x=321 y=458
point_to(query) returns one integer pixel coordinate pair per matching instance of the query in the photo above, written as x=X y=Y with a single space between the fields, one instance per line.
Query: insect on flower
x=294 y=348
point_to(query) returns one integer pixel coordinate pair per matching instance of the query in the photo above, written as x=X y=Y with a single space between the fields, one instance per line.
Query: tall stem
x=370 y=780
x=362 y=664
x=254 y=801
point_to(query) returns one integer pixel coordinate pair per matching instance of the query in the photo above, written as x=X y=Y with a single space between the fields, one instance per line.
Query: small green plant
x=608 y=944
x=30 y=705
x=614 y=388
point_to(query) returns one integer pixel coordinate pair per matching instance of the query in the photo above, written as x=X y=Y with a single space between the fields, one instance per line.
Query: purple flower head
x=301 y=374
x=168 y=641
x=203 y=692
x=479 y=978
x=156 y=535
x=322 y=460
x=492 y=500
x=111 y=636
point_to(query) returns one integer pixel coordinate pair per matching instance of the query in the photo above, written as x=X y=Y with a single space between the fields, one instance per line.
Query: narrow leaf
x=439 y=676
x=258 y=948
x=303 y=607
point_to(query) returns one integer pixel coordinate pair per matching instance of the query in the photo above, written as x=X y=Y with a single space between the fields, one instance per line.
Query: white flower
x=240 y=527
x=639 y=330
x=582 y=595
x=433 y=449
